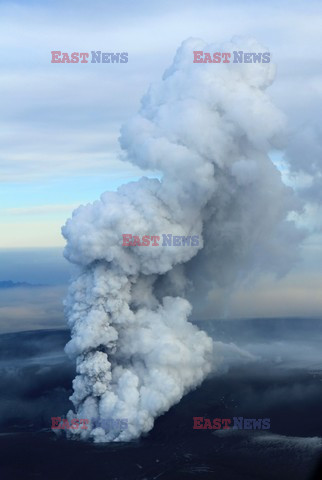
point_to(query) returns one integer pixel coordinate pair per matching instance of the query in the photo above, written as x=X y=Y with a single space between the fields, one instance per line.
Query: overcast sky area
x=60 y=123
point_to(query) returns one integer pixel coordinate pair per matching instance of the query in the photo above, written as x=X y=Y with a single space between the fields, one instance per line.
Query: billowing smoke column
x=206 y=129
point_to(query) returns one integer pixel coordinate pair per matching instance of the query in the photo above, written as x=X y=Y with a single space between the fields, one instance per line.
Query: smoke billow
x=206 y=130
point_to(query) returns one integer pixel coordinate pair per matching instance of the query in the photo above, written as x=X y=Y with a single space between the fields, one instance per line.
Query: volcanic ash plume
x=206 y=129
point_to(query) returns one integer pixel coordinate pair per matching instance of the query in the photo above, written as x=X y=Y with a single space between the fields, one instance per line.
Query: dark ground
x=35 y=382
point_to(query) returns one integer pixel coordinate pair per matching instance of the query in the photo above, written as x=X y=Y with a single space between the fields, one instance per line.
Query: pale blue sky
x=59 y=124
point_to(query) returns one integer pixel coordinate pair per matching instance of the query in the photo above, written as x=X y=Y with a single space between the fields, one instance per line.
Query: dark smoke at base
x=208 y=129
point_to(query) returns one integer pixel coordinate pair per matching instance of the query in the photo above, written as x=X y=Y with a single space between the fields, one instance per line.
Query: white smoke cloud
x=208 y=129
